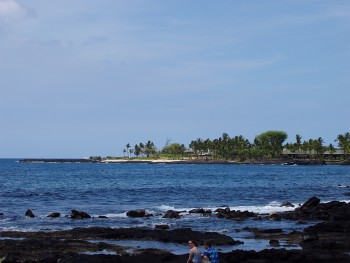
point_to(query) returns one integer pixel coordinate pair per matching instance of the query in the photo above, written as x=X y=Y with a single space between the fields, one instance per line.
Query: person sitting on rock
x=210 y=252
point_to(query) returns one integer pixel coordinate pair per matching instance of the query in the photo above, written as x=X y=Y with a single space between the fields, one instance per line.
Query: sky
x=85 y=77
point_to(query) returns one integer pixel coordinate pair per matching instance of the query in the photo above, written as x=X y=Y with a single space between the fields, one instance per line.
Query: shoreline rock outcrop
x=326 y=241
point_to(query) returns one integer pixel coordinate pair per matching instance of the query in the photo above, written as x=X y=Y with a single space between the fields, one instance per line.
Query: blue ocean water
x=112 y=189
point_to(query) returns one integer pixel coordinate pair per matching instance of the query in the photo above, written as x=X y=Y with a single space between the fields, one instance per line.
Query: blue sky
x=81 y=78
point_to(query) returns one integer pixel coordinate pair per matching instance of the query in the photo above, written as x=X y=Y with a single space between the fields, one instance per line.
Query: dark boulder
x=236 y=215
x=197 y=211
x=275 y=217
x=29 y=213
x=222 y=210
x=274 y=243
x=205 y=212
x=271 y=231
x=287 y=204
x=136 y=213
x=310 y=204
x=314 y=210
x=172 y=214
x=54 y=215
x=75 y=214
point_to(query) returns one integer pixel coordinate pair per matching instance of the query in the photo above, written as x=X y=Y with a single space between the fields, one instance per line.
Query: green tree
x=344 y=142
x=318 y=147
x=174 y=149
x=197 y=146
x=271 y=142
x=137 y=150
x=149 y=149
x=297 y=145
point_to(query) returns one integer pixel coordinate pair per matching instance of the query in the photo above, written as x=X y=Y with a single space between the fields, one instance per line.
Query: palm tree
x=137 y=150
x=331 y=150
x=298 y=143
x=318 y=147
x=127 y=149
x=149 y=148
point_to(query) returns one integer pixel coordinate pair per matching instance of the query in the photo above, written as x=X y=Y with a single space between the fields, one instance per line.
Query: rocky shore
x=326 y=241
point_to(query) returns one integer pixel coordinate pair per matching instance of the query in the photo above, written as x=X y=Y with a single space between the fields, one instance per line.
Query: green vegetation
x=344 y=142
x=269 y=145
x=141 y=150
x=271 y=142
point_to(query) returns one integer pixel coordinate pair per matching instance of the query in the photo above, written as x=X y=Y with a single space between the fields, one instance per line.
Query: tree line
x=267 y=145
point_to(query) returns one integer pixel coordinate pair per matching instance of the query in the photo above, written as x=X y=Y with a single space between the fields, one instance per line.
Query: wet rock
x=197 y=211
x=314 y=210
x=236 y=215
x=172 y=214
x=263 y=231
x=204 y=212
x=275 y=217
x=161 y=226
x=222 y=210
x=47 y=250
x=75 y=214
x=81 y=258
x=310 y=204
x=274 y=243
x=287 y=204
x=54 y=215
x=282 y=255
x=136 y=213
x=309 y=237
x=29 y=213
x=65 y=246
x=271 y=230
x=180 y=236
x=331 y=235
x=102 y=217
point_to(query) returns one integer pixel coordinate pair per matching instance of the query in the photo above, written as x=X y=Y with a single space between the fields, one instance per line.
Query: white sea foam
x=260 y=209
x=263 y=209
x=117 y=215
x=19 y=229
x=166 y=208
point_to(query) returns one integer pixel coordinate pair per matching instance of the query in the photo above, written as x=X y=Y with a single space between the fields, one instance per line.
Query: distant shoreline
x=188 y=161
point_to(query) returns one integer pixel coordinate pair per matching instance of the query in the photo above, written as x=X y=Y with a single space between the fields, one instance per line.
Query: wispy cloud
x=10 y=8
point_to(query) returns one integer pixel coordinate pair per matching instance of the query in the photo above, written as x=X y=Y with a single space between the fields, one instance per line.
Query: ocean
x=112 y=189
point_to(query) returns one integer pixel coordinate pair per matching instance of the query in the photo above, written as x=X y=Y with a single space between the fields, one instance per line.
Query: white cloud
x=9 y=8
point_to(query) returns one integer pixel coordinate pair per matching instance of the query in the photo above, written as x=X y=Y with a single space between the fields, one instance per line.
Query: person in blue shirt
x=210 y=252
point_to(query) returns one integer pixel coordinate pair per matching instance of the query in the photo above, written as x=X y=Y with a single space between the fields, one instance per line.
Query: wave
x=115 y=215
x=271 y=207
